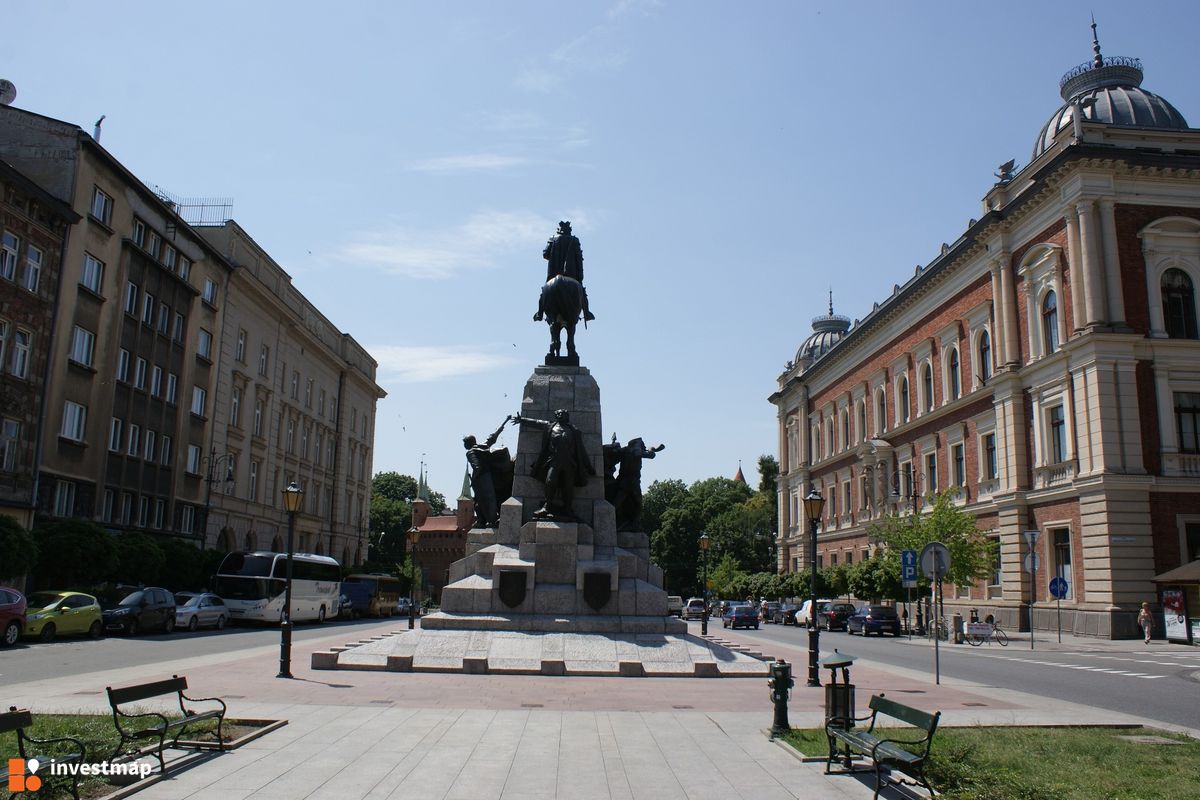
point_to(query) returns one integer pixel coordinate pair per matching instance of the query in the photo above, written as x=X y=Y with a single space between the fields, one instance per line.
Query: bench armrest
x=911 y=743
x=188 y=713
x=118 y=713
x=844 y=719
x=80 y=750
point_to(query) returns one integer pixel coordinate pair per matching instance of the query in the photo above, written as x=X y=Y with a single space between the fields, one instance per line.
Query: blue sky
x=724 y=165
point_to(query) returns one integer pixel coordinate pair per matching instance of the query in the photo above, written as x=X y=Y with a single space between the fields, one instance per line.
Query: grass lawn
x=1048 y=763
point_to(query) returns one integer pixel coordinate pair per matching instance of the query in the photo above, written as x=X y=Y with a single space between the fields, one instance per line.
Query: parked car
x=146 y=609
x=200 y=610
x=12 y=616
x=768 y=610
x=804 y=616
x=693 y=608
x=786 y=614
x=874 y=619
x=833 y=616
x=49 y=614
x=743 y=616
x=675 y=605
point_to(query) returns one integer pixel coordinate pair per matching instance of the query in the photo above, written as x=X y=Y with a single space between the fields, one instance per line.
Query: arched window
x=955 y=376
x=927 y=386
x=1179 y=304
x=903 y=410
x=845 y=428
x=1050 y=322
x=880 y=412
x=985 y=357
x=862 y=420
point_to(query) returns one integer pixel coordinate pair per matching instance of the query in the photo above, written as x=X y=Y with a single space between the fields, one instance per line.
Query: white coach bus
x=253 y=584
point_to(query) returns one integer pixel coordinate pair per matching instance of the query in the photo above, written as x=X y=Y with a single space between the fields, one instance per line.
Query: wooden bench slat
x=132 y=694
x=913 y=716
x=15 y=720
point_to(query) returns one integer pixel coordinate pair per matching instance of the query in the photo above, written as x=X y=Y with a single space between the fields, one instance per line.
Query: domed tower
x=827 y=331
x=1107 y=90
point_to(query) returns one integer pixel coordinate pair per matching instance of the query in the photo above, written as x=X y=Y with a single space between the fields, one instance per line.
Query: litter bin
x=839 y=697
x=956 y=622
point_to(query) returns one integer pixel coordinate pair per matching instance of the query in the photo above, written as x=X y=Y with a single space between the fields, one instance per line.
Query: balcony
x=987 y=488
x=1054 y=475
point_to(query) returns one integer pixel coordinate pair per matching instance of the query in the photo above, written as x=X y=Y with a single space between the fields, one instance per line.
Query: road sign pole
x=1032 y=590
x=937 y=635
x=1058 y=602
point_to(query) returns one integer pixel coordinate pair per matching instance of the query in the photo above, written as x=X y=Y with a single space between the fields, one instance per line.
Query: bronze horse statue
x=562 y=302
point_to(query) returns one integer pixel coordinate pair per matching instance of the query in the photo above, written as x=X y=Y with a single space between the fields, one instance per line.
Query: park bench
x=136 y=724
x=30 y=748
x=908 y=756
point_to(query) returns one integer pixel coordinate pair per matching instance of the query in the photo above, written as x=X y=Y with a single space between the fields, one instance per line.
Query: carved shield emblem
x=597 y=589
x=512 y=586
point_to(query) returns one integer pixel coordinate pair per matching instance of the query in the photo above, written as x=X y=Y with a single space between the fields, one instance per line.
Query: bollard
x=780 y=683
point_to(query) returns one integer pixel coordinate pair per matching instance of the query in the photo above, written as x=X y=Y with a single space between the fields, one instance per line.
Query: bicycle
x=996 y=634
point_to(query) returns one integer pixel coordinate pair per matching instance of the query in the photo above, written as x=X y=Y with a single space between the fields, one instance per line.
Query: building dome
x=1109 y=91
x=827 y=331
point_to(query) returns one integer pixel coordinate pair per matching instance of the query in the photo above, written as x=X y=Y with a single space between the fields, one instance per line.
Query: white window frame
x=131 y=298
x=22 y=345
x=116 y=435
x=92 y=275
x=164 y=318
x=83 y=346
x=102 y=205
x=64 y=498
x=240 y=351
x=148 y=309
x=165 y=451
x=10 y=441
x=133 y=447
x=33 y=268
x=156 y=374
x=193 y=459
x=204 y=344
x=123 y=365
x=199 y=400
x=187 y=519
x=1042 y=271
x=139 y=373
x=149 y=445
x=74 y=421
x=172 y=387
x=10 y=248
x=209 y=294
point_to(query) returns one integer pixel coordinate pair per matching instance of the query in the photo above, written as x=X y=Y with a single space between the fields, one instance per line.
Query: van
x=375 y=594
x=674 y=605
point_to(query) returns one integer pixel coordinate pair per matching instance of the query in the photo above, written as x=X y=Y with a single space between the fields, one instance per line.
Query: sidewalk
x=469 y=737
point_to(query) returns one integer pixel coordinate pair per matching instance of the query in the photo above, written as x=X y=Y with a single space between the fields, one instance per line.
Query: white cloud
x=439 y=254
x=538 y=80
x=425 y=364
x=474 y=162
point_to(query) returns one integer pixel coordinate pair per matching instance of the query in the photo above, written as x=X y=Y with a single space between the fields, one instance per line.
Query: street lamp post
x=704 y=590
x=293 y=496
x=414 y=536
x=814 y=504
x=210 y=477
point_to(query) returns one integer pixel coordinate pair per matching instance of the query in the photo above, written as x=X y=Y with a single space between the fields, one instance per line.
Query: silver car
x=200 y=610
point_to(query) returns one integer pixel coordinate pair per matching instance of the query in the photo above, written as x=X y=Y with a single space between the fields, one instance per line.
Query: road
x=1159 y=681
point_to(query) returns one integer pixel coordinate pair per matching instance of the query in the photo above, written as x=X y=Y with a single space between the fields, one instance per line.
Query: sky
x=725 y=166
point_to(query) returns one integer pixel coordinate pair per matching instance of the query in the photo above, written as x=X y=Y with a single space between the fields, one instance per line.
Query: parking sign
x=908 y=568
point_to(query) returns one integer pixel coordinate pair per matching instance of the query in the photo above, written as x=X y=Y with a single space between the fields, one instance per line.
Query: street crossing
x=1128 y=665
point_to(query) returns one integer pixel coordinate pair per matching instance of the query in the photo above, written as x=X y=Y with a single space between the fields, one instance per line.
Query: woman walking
x=1146 y=620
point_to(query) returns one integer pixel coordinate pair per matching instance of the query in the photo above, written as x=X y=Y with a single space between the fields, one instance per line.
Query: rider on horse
x=564 y=256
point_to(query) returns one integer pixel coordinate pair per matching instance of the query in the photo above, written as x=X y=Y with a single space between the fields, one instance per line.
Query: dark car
x=874 y=619
x=12 y=616
x=144 y=610
x=833 y=616
x=741 y=617
x=785 y=614
x=768 y=610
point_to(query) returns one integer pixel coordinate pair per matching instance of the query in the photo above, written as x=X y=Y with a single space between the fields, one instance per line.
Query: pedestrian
x=1146 y=620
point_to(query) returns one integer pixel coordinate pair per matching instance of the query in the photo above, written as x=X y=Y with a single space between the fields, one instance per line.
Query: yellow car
x=49 y=614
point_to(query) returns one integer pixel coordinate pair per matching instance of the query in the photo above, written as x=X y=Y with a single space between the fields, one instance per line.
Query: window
x=320 y=440
x=997 y=576
x=985 y=357
x=880 y=412
x=304 y=442
x=160 y=509
x=845 y=416
x=1179 y=304
x=199 y=400
x=990 y=467
x=165 y=458
x=862 y=422
x=258 y=417
x=1187 y=421
x=321 y=402
x=240 y=352
x=123 y=365
x=193 y=459
x=64 y=499
x=148 y=309
x=296 y=387
x=149 y=448
x=172 y=385
x=1061 y=537
x=153 y=244
x=209 y=294
x=143 y=511
x=33 y=268
x=74 y=422
x=1050 y=322
x=958 y=454
x=170 y=254
x=3 y=342
x=10 y=441
x=308 y=393
x=115 y=435
x=931 y=475
x=1191 y=541
x=21 y=343
x=9 y=248
x=110 y=501
x=264 y=358
x=83 y=346
x=253 y=495
x=139 y=374
x=291 y=436
x=139 y=233
x=955 y=376
x=177 y=334
x=187 y=519
x=93 y=273
x=102 y=206
x=126 y=508
x=164 y=318
x=1058 y=435
x=185 y=267
x=204 y=344
x=927 y=386
x=845 y=492
x=135 y=440
x=131 y=298
x=903 y=401
x=155 y=380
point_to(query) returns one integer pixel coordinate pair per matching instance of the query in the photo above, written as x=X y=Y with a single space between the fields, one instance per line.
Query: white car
x=805 y=615
x=693 y=608
x=199 y=610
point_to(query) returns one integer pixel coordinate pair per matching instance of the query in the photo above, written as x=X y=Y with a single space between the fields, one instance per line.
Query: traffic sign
x=908 y=568
x=1031 y=538
x=1058 y=587
x=1032 y=562
x=935 y=561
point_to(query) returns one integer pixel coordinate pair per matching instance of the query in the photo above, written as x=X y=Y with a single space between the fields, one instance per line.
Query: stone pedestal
x=541 y=575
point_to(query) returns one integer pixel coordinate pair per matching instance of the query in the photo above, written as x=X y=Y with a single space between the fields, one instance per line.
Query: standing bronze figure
x=562 y=464
x=491 y=477
x=626 y=495
x=563 y=295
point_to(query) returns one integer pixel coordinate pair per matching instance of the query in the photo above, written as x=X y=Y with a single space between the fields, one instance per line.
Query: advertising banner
x=1175 y=615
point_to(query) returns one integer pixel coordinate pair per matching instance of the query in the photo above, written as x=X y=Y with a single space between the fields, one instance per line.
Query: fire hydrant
x=781 y=684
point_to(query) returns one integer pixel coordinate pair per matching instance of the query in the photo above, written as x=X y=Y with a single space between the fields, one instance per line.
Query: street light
x=414 y=536
x=704 y=591
x=814 y=504
x=293 y=496
x=211 y=477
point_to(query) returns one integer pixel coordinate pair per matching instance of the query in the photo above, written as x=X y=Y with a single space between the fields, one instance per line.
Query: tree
x=726 y=577
x=18 y=550
x=75 y=554
x=392 y=495
x=139 y=561
x=971 y=552
x=875 y=579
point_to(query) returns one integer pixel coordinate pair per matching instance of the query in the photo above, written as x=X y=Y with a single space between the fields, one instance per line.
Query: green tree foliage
x=875 y=579
x=971 y=551
x=676 y=515
x=727 y=577
x=74 y=554
x=768 y=479
x=18 y=550
x=187 y=568
x=140 y=559
x=392 y=495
